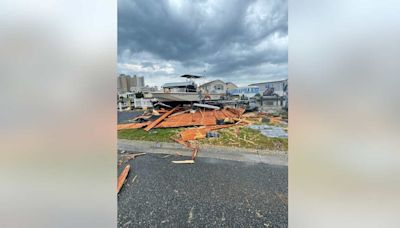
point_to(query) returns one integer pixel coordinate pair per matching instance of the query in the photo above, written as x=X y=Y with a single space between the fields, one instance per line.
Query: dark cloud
x=229 y=39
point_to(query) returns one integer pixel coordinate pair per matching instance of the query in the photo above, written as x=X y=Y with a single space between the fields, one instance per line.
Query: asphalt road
x=124 y=116
x=209 y=193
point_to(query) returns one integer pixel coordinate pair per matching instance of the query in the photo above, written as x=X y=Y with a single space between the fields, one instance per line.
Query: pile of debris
x=199 y=122
x=184 y=117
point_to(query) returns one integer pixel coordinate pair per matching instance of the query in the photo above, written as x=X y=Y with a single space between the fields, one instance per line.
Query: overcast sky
x=242 y=42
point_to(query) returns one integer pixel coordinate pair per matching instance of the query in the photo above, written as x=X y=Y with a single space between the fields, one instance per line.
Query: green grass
x=155 y=135
x=248 y=138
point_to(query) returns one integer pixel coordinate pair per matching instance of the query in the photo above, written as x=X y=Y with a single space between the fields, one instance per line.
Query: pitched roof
x=231 y=83
x=211 y=82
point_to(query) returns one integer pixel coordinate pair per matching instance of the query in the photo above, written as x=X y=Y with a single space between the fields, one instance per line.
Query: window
x=219 y=87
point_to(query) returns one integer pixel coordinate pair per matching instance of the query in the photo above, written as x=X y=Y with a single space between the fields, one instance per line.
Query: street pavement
x=125 y=116
x=209 y=193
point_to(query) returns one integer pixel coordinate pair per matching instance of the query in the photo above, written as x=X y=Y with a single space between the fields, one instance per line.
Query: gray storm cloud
x=239 y=41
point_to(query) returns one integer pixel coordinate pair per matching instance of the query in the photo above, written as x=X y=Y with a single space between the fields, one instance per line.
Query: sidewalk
x=208 y=151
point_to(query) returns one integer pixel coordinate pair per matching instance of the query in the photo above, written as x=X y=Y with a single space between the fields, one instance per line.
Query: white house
x=273 y=87
x=215 y=87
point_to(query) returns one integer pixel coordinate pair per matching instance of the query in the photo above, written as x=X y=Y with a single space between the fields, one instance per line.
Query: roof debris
x=199 y=120
x=157 y=121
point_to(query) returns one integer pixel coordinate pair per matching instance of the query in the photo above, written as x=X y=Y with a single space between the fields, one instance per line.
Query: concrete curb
x=226 y=153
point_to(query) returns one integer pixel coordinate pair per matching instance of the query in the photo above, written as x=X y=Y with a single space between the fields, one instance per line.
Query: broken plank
x=134 y=179
x=184 y=162
x=122 y=177
x=194 y=153
x=131 y=156
x=157 y=121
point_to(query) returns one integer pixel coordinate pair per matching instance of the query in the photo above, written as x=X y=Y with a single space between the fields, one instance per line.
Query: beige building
x=230 y=85
x=214 y=87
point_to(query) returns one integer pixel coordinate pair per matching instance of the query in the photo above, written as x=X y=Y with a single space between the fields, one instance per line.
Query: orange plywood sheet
x=236 y=111
x=192 y=134
x=189 y=119
x=199 y=118
x=200 y=133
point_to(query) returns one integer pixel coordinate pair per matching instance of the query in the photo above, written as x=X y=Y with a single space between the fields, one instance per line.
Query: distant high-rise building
x=119 y=85
x=125 y=83
x=134 y=81
x=140 y=81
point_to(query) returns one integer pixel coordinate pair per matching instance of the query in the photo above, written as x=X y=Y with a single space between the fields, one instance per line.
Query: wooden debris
x=132 y=125
x=155 y=112
x=242 y=120
x=134 y=178
x=194 y=152
x=236 y=111
x=184 y=162
x=162 y=110
x=131 y=156
x=157 y=121
x=198 y=117
x=139 y=154
x=122 y=177
x=179 y=113
x=200 y=133
x=128 y=157
x=180 y=141
x=275 y=120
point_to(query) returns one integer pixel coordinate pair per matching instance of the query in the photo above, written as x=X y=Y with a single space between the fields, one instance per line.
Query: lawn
x=246 y=138
x=155 y=135
x=231 y=137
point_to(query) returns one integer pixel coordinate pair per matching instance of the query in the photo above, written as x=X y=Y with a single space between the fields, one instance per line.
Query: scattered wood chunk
x=242 y=120
x=184 y=162
x=122 y=177
x=128 y=157
x=134 y=179
x=248 y=141
x=194 y=152
x=139 y=154
x=155 y=112
x=179 y=113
